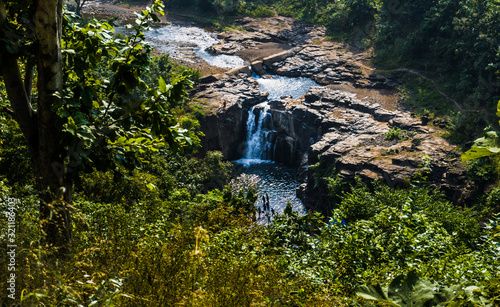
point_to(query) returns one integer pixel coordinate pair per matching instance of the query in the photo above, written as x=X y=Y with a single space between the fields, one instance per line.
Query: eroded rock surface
x=351 y=135
x=306 y=52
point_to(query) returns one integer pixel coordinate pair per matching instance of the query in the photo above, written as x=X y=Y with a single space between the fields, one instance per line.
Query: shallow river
x=184 y=42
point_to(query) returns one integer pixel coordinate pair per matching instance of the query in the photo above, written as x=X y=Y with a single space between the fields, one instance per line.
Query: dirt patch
x=388 y=99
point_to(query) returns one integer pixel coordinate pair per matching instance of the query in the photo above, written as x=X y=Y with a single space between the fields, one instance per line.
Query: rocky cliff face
x=352 y=135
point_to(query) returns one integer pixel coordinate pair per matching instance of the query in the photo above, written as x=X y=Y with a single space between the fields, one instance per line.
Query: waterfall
x=261 y=146
x=257 y=140
x=261 y=139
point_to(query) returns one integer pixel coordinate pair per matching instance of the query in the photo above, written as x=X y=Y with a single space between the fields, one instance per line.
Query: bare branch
x=9 y=111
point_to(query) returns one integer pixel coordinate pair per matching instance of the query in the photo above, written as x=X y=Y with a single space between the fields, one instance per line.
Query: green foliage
x=412 y=290
x=482 y=171
x=336 y=186
x=405 y=291
x=14 y=155
x=365 y=203
x=397 y=134
x=168 y=69
x=115 y=119
x=259 y=11
x=228 y=7
x=493 y=200
x=488 y=145
x=421 y=94
x=351 y=17
x=464 y=126
x=154 y=237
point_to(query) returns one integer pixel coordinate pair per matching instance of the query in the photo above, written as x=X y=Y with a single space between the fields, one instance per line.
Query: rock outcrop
x=308 y=52
x=338 y=129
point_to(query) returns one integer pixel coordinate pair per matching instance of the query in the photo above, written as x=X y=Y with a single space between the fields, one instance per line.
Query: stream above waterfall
x=186 y=43
x=278 y=86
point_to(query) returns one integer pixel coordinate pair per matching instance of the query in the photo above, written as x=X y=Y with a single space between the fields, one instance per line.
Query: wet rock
x=277 y=57
x=277 y=104
x=240 y=70
x=258 y=68
x=209 y=79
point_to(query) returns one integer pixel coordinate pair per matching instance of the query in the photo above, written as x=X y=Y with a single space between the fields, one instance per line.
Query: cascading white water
x=256 y=136
x=259 y=146
x=278 y=86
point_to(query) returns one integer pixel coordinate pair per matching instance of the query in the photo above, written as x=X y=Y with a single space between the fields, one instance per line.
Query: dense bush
x=137 y=244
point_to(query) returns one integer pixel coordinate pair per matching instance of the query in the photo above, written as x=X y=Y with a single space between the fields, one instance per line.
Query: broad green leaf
x=405 y=291
x=478 y=152
x=71 y=126
x=155 y=18
x=162 y=85
x=372 y=292
x=486 y=146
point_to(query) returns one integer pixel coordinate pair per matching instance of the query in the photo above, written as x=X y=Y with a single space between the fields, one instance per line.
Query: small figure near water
x=267 y=205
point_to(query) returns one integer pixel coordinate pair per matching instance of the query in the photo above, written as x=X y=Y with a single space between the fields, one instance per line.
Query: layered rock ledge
x=352 y=135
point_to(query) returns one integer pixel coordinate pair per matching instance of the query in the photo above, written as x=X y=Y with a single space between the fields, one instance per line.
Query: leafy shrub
x=15 y=164
x=493 y=200
x=482 y=171
x=363 y=203
x=397 y=134
x=260 y=11
x=464 y=126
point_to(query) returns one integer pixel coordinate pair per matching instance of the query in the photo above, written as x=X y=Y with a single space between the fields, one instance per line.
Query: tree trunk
x=55 y=204
x=79 y=6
